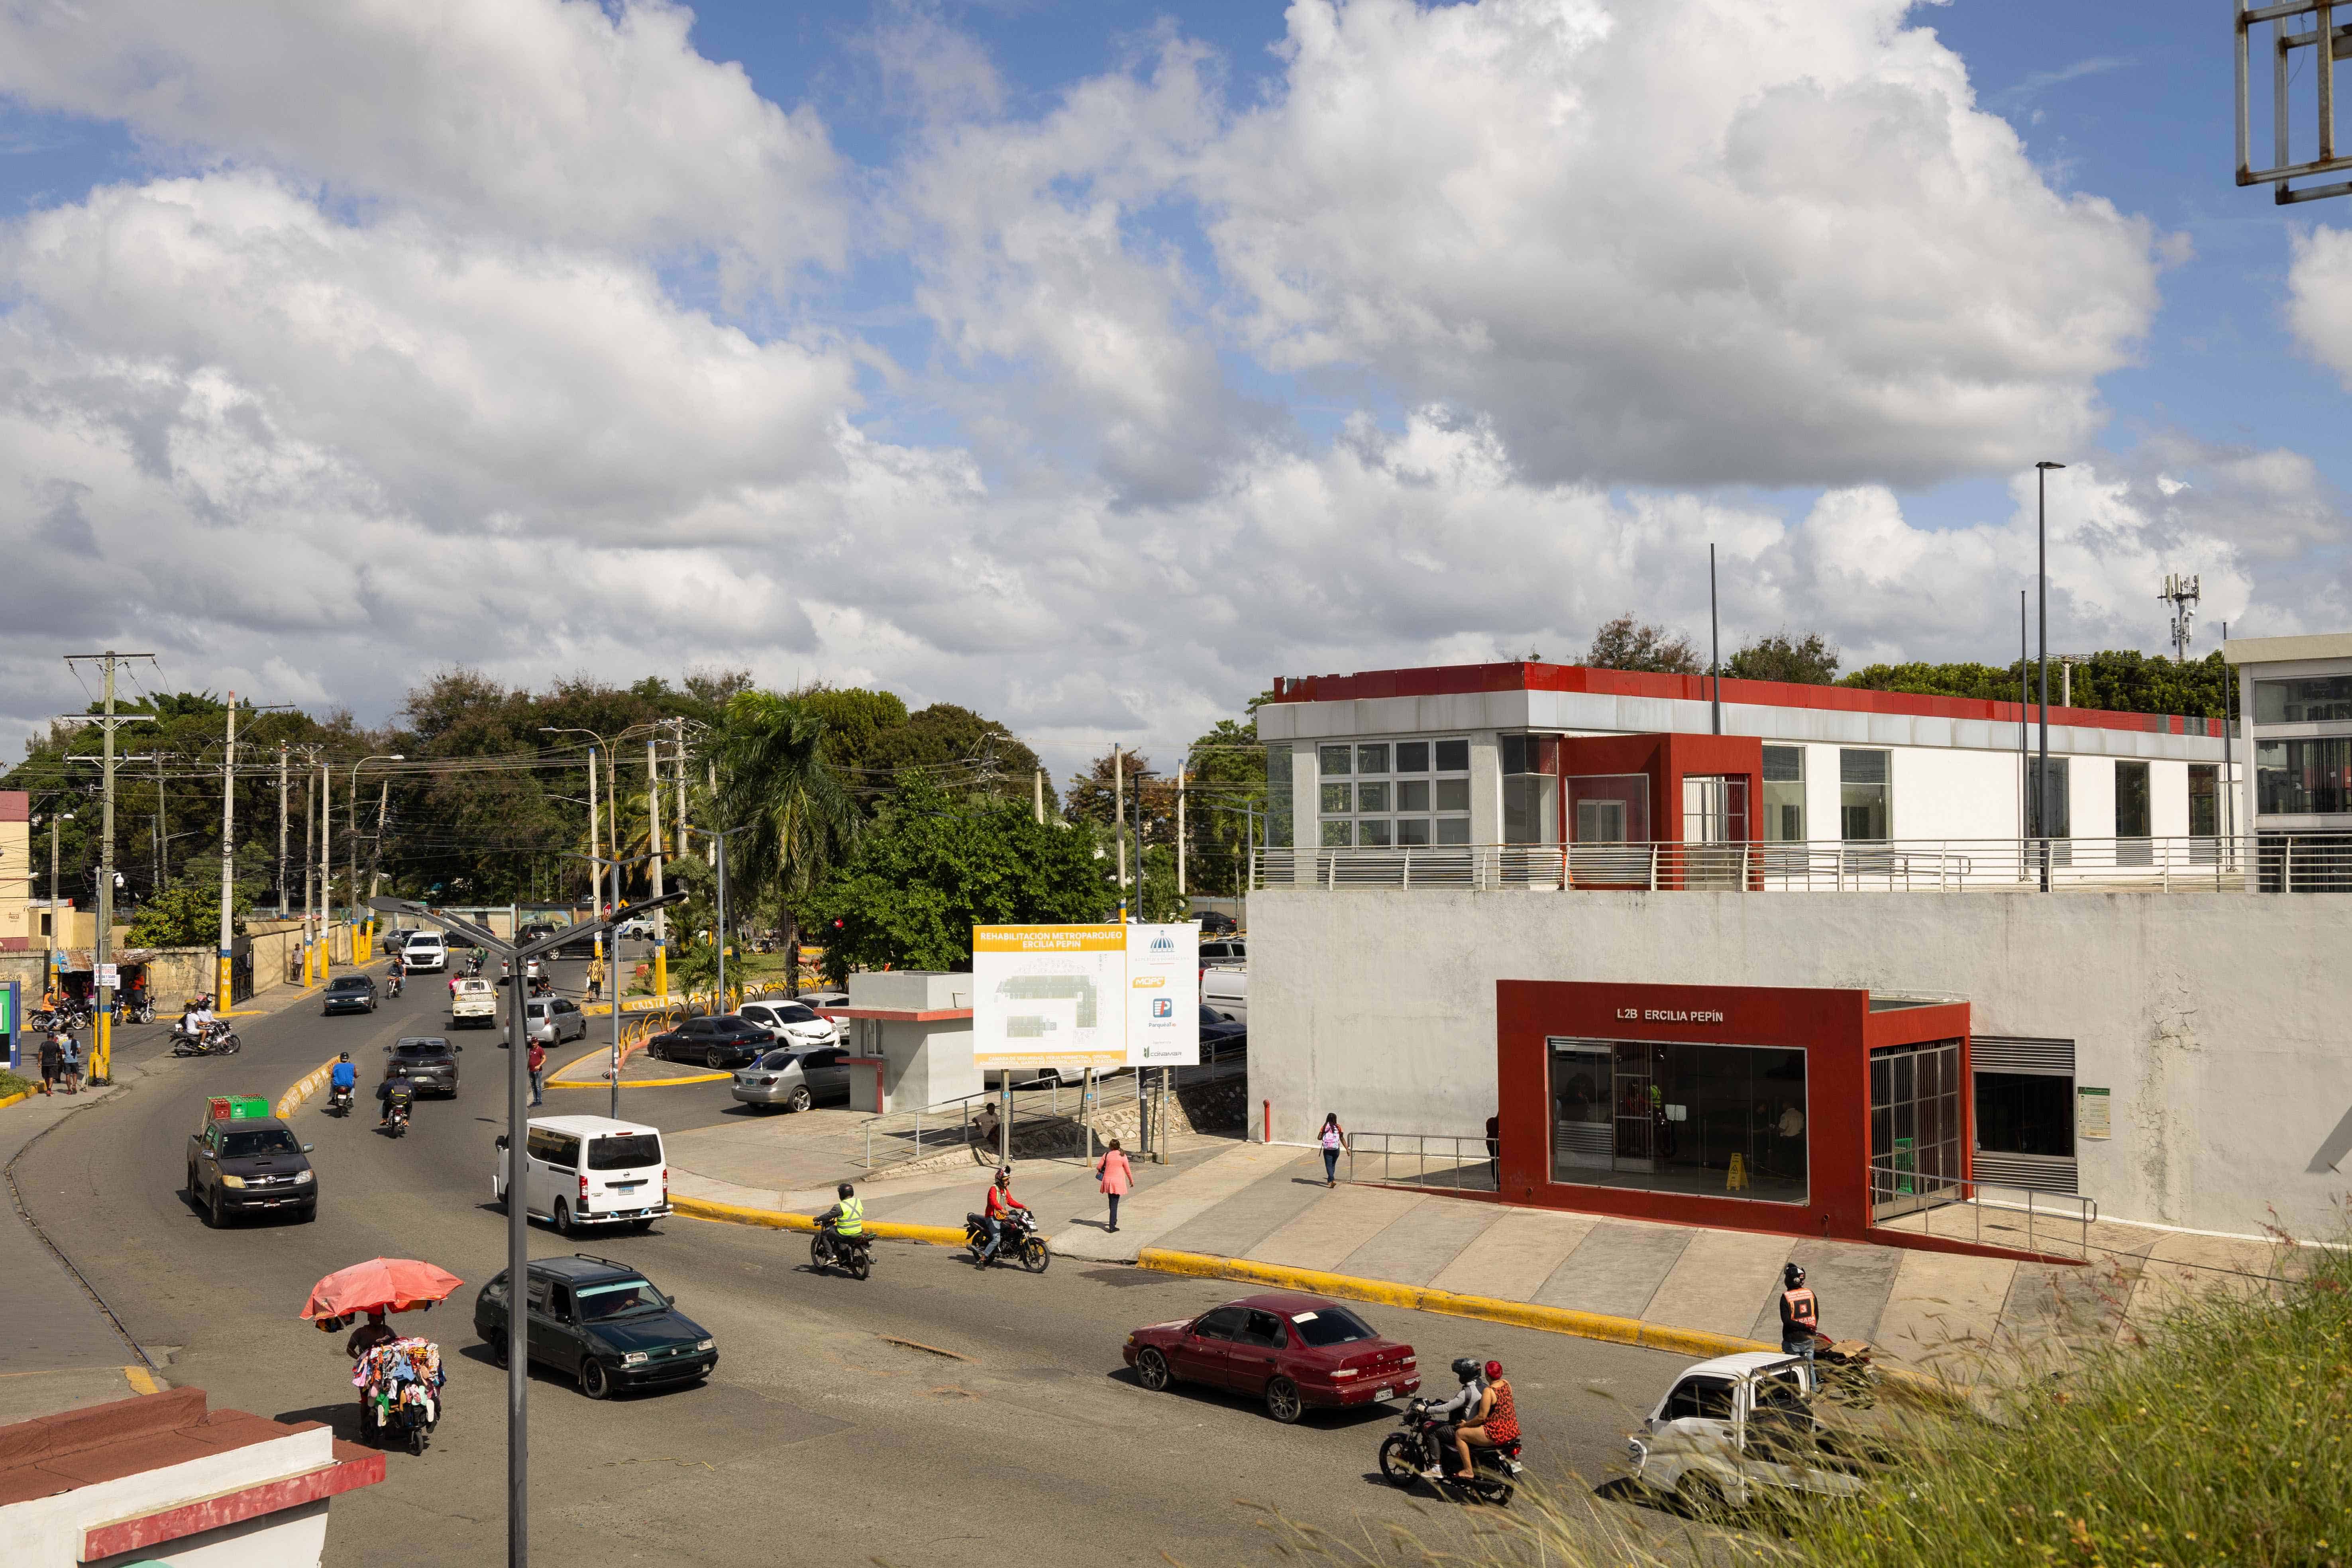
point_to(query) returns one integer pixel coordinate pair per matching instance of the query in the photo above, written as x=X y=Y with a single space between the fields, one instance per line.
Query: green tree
x=1810 y=660
x=854 y=719
x=187 y=913
x=932 y=865
x=775 y=782
x=2117 y=680
x=1624 y=644
x=954 y=748
x=1226 y=795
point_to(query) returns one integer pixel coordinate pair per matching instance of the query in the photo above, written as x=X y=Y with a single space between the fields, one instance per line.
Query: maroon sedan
x=1289 y=1351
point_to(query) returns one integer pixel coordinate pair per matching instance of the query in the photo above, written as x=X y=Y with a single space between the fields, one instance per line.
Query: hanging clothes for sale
x=401 y=1374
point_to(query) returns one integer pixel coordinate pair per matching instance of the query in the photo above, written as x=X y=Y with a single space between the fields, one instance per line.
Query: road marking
x=141 y=1380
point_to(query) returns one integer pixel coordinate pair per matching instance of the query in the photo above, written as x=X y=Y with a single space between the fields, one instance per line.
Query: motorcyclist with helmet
x=1001 y=1208
x=1464 y=1405
x=848 y=1217
x=396 y=1092
x=344 y=1079
x=1493 y=1423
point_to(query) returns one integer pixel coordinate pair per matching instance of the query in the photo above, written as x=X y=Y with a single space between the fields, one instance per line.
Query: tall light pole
x=226 y=992
x=2042 y=574
x=595 y=855
x=719 y=842
x=381 y=757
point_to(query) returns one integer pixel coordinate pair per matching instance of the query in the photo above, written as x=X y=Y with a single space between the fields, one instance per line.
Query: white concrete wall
x=1485 y=788
x=2091 y=797
x=1946 y=794
x=48 y=1530
x=2167 y=799
x=2218 y=1019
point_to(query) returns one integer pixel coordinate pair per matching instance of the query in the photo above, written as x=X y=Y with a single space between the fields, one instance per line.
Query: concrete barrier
x=776 y=1219
x=303 y=1089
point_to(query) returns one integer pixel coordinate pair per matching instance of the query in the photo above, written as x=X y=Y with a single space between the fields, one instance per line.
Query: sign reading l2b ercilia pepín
x=1077 y=996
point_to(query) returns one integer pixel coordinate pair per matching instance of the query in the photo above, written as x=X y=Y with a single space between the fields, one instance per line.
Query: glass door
x=1636 y=1114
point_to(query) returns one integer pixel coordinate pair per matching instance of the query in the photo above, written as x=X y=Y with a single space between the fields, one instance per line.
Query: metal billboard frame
x=2331 y=41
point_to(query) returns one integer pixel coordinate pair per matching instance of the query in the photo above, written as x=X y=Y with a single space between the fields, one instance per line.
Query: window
x=1531 y=765
x=776 y=1061
x=1914 y=1126
x=1330 y=1326
x=2053 y=794
x=2317 y=700
x=1700 y=1399
x=619 y=1299
x=1717 y=1120
x=1265 y=1330
x=544 y=1146
x=2303 y=777
x=1784 y=795
x=534 y=1292
x=1221 y=1324
x=1392 y=795
x=2025 y=1113
x=1862 y=811
x=2204 y=800
x=268 y=1140
x=793 y=1012
x=558 y=1303
x=625 y=1152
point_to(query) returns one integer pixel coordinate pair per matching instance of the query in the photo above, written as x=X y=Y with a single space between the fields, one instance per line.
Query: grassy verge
x=2221 y=1436
x=11 y=1084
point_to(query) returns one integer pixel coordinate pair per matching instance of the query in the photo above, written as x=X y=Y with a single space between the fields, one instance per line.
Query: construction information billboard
x=1077 y=996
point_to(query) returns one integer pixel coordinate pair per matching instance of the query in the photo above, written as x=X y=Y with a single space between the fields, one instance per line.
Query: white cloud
x=556 y=119
x=1708 y=241
x=2319 y=298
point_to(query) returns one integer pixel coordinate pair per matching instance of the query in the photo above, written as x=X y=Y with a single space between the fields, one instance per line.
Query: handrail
x=1923 y=1195
x=1464 y=1164
x=2186 y=864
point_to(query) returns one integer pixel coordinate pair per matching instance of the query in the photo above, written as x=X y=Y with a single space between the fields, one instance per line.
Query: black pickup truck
x=250 y=1164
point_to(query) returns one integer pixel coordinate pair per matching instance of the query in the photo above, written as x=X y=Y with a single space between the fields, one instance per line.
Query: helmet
x=1465 y=1367
x=1792 y=1276
x=344 y=1058
x=844 y=1190
x=1004 y=1175
x=1494 y=1369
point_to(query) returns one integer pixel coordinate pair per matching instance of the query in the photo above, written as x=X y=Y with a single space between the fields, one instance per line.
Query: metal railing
x=2300 y=864
x=1421 y=1160
x=895 y=1137
x=1990 y=1214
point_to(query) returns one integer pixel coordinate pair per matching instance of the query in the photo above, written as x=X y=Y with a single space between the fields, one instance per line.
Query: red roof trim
x=229 y=1507
x=1446 y=680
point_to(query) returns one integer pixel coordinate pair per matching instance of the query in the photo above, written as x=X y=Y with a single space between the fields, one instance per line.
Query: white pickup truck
x=474 y=1002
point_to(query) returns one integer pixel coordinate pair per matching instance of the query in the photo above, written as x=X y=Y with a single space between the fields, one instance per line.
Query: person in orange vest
x=1800 y=1314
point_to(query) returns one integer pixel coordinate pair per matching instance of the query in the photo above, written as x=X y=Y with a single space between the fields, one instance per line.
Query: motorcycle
x=852 y=1254
x=1022 y=1240
x=392 y=986
x=213 y=1039
x=1424 y=1441
x=397 y=1120
x=339 y=1101
x=140 y=1012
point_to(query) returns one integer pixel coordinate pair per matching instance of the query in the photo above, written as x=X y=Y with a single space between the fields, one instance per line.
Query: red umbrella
x=379 y=1285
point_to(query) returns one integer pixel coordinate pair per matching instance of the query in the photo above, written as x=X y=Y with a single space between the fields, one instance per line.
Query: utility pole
x=661 y=916
x=1180 y=830
x=2041 y=575
x=309 y=868
x=101 y=1061
x=326 y=864
x=162 y=826
x=2024 y=706
x=595 y=895
x=1118 y=821
x=375 y=855
x=226 y=992
x=281 y=830
x=1714 y=642
x=1037 y=795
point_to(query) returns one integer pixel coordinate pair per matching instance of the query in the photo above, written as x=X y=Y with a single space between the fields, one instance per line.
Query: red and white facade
x=161 y=1479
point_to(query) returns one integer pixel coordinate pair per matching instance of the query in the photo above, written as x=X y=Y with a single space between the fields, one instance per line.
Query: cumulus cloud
x=2319 y=298
x=554 y=119
x=1708 y=241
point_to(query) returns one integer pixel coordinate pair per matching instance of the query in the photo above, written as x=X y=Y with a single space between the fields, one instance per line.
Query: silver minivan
x=794 y=1080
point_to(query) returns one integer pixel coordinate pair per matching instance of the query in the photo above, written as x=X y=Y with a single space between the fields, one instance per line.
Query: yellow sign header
x=1049 y=939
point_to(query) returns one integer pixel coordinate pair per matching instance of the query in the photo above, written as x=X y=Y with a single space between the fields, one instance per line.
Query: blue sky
x=1093 y=364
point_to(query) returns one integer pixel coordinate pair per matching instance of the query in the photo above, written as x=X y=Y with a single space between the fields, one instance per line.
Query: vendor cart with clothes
x=399 y=1376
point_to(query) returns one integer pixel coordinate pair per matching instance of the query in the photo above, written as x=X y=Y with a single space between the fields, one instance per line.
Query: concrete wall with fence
x=2217 y=1022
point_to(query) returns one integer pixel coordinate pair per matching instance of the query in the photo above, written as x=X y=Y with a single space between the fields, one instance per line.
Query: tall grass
x=2219 y=1434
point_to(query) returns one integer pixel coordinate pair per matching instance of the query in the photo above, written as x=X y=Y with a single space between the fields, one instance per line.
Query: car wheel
x=214 y=1216
x=499 y=1197
x=592 y=1381
x=800 y=1099
x=1400 y=1459
x=1282 y=1401
x=641 y=1225
x=194 y=1196
x=1701 y=1496
x=861 y=1261
x=563 y=1218
x=500 y=1351
x=715 y=1059
x=1151 y=1369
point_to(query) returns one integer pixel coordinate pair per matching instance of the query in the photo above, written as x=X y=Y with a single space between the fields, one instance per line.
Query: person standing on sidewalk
x=1800 y=1314
x=537 y=1061
x=595 y=978
x=53 y=1060
x=1333 y=1138
x=72 y=1065
x=1117 y=1179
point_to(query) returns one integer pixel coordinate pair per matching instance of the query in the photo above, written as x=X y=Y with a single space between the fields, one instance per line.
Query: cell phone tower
x=2180 y=593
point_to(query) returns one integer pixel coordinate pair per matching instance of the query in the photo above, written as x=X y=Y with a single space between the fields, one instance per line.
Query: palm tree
x=774 y=779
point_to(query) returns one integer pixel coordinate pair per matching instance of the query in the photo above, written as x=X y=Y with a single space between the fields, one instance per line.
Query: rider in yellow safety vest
x=846 y=1218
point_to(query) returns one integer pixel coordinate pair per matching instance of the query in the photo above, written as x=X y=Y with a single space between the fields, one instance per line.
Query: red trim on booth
x=230 y=1508
x=1446 y=681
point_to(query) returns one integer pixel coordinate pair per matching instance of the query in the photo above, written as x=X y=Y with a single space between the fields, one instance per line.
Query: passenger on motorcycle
x=396 y=1093
x=1494 y=1423
x=999 y=1208
x=1464 y=1404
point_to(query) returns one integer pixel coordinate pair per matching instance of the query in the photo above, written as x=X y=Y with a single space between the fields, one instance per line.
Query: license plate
x=627 y=1186
x=1384 y=1393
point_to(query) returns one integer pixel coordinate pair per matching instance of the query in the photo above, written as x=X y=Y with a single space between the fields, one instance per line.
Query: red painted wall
x=1835 y=1028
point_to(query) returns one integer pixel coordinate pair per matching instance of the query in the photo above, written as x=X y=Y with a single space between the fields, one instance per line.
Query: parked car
x=534 y=931
x=1220 y=1029
x=426 y=950
x=792 y=1023
x=1293 y=1352
x=825 y=1001
x=251 y=1164
x=793 y=1079
x=1228 y=954
x=1738 y=1424
x=348 y=994
x=602 y=1322
x=474 y=1003
x=431 y=1061
x=552 y=1020
x=394 y=940
x=637 y=930
x=725 y=1041
x=589 y=1169
x=1216 y=922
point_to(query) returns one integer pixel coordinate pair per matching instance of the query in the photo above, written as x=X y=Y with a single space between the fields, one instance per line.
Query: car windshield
x=421 y=1049
x=793 y=1012
x=262 y=1141
x=349 y=985
x=625 y=1152
x=618 y=1299
x=1331 y=1326
x=777 y=1059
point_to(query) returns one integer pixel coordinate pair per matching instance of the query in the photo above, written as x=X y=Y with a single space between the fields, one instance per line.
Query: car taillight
x=583 y=1186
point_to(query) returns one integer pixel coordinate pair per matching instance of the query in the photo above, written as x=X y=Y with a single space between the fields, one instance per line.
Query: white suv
x=425 y=950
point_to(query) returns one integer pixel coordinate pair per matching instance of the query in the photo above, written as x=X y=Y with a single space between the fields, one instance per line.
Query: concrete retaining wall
x=2222 y=1022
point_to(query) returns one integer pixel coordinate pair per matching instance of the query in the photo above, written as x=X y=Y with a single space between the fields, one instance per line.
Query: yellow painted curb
x=776 y=1219
x=21 y=1094
x=141 y=1380
x=303 y=1089
x=1422 y=1298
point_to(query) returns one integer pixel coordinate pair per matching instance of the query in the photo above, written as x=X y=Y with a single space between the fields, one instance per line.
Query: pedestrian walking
x=537 y=1060
x=595 y=978
x=1117 y=1179
x=72 y=1065
x=53 y=1061
x=1333 y=1138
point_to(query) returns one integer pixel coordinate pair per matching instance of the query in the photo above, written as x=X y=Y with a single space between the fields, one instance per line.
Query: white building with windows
x=2295 y=757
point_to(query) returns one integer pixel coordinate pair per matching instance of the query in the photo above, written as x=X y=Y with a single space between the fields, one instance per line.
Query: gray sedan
x=794 y=1079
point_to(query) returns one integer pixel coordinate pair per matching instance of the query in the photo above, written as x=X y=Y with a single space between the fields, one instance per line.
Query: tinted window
x=619 y=1299
x=625 y=1152
x=559 y=1301
x=351 y=986
x=825 y=1058
x=421 y=1049
x=1221 y=1324
x=1330 y=1326
x=263 y=1140
x=544 y=1145
x=1263 y=1328
x=777 y=1060
x=740 y=1028
x=1702 y=1398
x=793 y=1012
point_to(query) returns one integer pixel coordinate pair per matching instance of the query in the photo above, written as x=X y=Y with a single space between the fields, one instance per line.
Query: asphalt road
x=930 y=1415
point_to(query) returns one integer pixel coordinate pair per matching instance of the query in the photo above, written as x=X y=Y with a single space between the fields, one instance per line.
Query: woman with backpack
x=1333 y=1138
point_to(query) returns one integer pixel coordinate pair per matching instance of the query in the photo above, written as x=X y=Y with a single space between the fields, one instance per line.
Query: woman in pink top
x=1117 y=1179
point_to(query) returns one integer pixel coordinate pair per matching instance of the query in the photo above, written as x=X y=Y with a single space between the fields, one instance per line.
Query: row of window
x=1380 y=795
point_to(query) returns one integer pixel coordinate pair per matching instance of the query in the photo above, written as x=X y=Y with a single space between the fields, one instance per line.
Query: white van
x=589 y=1169
x=1226 y=991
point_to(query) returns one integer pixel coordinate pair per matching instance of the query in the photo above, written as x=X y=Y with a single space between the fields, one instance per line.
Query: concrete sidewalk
x=1262 y=1206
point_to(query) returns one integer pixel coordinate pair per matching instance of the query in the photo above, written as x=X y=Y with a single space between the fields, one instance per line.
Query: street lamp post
x=612 y=1072
x=517 y=956
x=381 y=757
x=721 y=838
x=2041 y=574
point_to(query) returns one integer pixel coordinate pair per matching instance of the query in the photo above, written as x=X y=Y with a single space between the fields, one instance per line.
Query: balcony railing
x=1940 y=864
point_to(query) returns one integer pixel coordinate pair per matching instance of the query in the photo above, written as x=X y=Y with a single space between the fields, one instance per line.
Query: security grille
x=2007 y=1053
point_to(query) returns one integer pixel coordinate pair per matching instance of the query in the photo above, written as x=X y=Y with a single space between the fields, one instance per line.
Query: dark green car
x=602 y=1322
